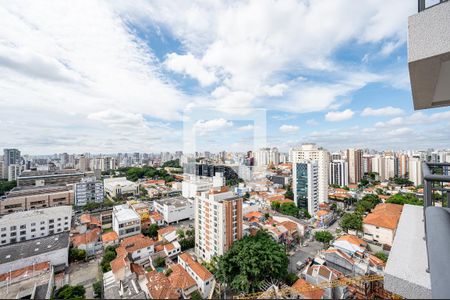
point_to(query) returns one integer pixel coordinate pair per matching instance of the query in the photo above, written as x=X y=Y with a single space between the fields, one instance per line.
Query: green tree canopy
x=289 y=193
x=381 y=255
x=71 y=292
x=289 y=208
x=172 y=163
x=151 y=231
x=76 y=254
x=252 y=260
x=323 y=236
x=108 y=256
x=351 y=221
x=6 y=186
x=367 y=203
x=405 y=199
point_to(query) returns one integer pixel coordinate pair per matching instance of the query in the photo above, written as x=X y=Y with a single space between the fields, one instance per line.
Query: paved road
x=304 y=252
x=85 y=274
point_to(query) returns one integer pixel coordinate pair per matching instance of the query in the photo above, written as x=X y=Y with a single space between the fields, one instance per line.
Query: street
x=300 y=255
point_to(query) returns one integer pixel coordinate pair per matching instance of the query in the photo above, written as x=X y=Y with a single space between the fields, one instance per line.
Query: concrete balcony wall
x=429 y=56
x=405 y=273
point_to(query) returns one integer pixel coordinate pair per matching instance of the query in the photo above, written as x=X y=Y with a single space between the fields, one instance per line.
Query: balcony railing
x=425 y=4
x=436 y=178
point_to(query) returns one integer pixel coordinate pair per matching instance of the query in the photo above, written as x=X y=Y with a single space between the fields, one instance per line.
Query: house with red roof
x=201 y=275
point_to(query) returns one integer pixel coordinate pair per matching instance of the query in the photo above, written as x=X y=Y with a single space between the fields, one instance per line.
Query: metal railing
x=436 y=179
x=425 y=4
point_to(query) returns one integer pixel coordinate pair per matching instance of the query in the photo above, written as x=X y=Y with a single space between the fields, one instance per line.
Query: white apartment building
x=14 y=171
x=265 y=156
x=218 y=222
x=322 y=157
x=305 y=185
x=192 y=185
x=378 y=166
x=415 y=170
x=338 y=173
x=31 y=224
x=125 y=221
x=120 y=186
x=203 y=278
x=89 y=190
x=175 y=209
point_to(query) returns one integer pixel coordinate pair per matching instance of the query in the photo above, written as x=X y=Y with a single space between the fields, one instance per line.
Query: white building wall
x=378 y=234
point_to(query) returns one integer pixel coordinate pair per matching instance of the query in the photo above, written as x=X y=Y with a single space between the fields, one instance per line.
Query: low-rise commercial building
x=30 y=197
x=125 y=221
x=53 y=249
x=175 y=209
x=27 y=225
x=41 y=178
x=120 y=186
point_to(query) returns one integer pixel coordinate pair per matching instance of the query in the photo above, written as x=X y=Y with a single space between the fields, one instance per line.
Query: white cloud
x=336 y=116
x=203 y=127
x=191 y=66
x=250 y=43
x=417 y=118
x=312 y=122
x=248 y=127
x=289 y=128
x=380 y=112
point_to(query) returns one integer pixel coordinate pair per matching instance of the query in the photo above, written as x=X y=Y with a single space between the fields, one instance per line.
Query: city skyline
x=66 y=90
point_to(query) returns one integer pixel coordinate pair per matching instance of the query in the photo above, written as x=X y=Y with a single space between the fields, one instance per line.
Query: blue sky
x=111 y=76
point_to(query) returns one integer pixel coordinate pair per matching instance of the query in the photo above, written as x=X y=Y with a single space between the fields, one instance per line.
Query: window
x=33 y=229
x=42 y=222
x=42 y=228
x=23 y=232
x=51 y=226
x=65 y=218
x=13 y=234
x=3 y=228
x=51 y=221
x=3 y=234
x=33 y=224
x=3 y=241
x=12 y=240
x=12 y=228
x=59 y=219
x=23 y=226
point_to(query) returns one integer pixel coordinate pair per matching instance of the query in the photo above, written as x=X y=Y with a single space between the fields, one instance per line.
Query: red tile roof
x=159 y=286
x=180 y=279
x=384 y=215
x=196 y=267
x=87 y=218
x=88 y=237
x=109 y=237
x=307 y=290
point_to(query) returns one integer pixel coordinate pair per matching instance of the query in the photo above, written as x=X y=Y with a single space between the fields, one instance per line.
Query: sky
x=126 y=76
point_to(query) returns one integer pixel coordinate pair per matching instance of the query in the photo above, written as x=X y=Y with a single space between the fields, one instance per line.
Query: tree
x=180 y=233
x=159 y=262
x=250 y=261
x=151 y=231
x=402 y=181
x=289 y=208
x=196 y=295
x=109 y=255
x=76 y=254
x=381 y=255
x=405 y=199
x=6 y=186
x=367 y=203
x=291 y=278
x=333 y=206
x=246 y=195
x=97 y=286
x=303 y=213
x=351 y=221
x=275 y=205
x=289 y=194
x=172 y=164
x=71 y=292
x=323 y=236
x=267 y=216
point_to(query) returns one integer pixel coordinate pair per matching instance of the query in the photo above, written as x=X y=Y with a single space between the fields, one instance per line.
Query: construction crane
x=288 y=292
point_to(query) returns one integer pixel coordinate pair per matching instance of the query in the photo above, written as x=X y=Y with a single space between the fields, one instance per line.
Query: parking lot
x=85 y=273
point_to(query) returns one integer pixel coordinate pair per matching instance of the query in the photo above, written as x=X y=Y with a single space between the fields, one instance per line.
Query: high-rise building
x=402 y=165
x=218 y=222
x=367 y=163
x=10 y=157
x=89 y=190
x=355 y=165
x=390 y=167
x=314 y=153
x=14 y=172
x=338 y=173
x=415 y=170
x=83 y=163
x=305 y=184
